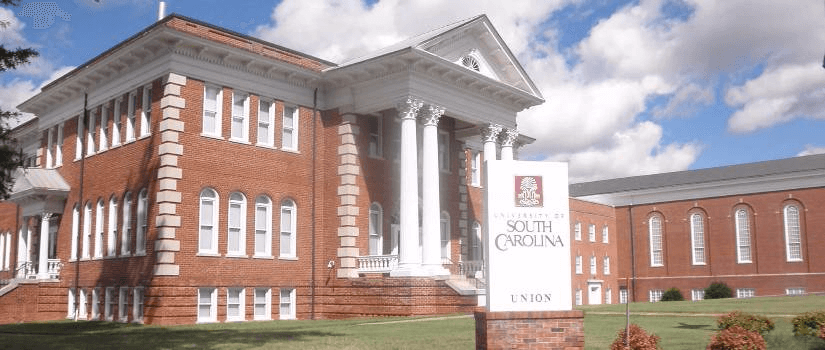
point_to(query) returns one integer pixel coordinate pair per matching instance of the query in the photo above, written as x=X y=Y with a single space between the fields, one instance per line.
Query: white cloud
x=12 y=35
x=18 y=91
x=811 y=149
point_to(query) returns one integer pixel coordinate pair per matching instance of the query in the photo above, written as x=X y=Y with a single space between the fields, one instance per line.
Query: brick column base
x=530 y=330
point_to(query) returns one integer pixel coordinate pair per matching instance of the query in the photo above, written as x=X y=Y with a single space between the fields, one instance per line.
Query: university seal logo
x=529 y=191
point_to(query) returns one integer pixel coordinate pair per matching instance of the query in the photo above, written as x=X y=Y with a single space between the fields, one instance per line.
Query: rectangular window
x=593 y=266
x=605 y=234
x=91 y=133
x=58 y=149
x=795 y=291
x=234 y=304
x=99 y=218
x=104 y=127
x=82 y=312
x=96 y=304
x=742 y=293
x=374 y=126
x=111 y=243
x=622 y=295
x=126 y=229
x=123 y=304
x=290 y=129
x=78 y=143
x=287 y=231
x=591 y=231
x=608 y=297
x=266 y=110
x=578 y=296
x=212 y=105
x=475 y=168
x=287 y=304
x=146 y=111
x=207 y=304
x=656 y=295
x=655 y=231
x=137 y=305
x=578 y=264
x=117 y=117
x=607 y=265
x=235 y=240
x=87 y=231
x=793 y=235
x=443 y=151
x=577 y=231
x=49 y=145
x=240 y=117
x=70 y=304
x=262 y=304
x=109 y=303
x=130 y=117
x=743 y=236
x=697 y=294
x=263 y=227
x=697 y=232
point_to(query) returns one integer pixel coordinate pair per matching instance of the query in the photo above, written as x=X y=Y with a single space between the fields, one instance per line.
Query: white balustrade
x=377 y=263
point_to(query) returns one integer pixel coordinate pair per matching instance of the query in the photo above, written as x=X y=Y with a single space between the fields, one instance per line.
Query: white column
x=489 y=136
x=43 y=261
x=430 y=181
x=409 y=260
x=508 y=139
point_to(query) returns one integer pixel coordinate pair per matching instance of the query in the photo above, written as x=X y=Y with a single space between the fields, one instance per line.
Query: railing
x=54 y=266
x=471 y=268
x=377 y=263
x=28 y=270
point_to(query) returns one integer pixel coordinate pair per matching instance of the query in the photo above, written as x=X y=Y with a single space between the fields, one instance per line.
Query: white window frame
x=289 y=234
x=111 y=240
x=208 y=195
x=266 y=122
x=376 y=229
x=289 y=303
x=263 y=227
x=793 y=232
x=475 y=168
x=70 y=310
x=608 y=296
x=593 y=265
x=146 y=111
x=577 y=231
x=476 y=245
x=99 y=219
x=123 y=304
x=795 y=291
x=130 y=117
x=82 y=305
x=91 y=133
x=591 y=232
x=655 y=295
x=78 y=143
x=126 y=226
x=697 y=238
x=87 y=231
x=142 y=222
x=58 y=149
x=117 y=121
x=623 y=295
x=375 y=128
x=49 y=145
x=95 y=304
x=697 y=294
x=290 y=132
x=212 y=304
x=104 y=127
x=75 y=231
x=138 y=302
x=243 y=118
x=241 y=293
x=579 y=298
x=743 y=237
x=606 y=265
x=216 y=131
x=444 y=151
x=3 y=257
x=743 y=293
x=237 y=234
x=655 y=230
x=446 y=234
x=266 y=295
x=605 y=234
x=109 y=304
x=579 y=268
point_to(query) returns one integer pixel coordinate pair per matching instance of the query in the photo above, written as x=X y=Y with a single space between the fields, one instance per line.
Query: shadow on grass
x=108 y=335
x=692 y=326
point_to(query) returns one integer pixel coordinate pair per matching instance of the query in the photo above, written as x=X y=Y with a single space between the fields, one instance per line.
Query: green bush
x=808 y=324
x=753 y=323
x=672 y=294
x=718 y=290
x=737 y=338
x=638 y=340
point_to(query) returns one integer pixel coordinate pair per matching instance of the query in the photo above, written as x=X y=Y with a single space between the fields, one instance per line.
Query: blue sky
x=632 y=87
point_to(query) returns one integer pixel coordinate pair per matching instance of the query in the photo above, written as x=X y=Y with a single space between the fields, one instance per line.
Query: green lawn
x=678 y=330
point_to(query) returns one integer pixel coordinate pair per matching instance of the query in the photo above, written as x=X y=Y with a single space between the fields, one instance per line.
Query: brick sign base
x=530 y=330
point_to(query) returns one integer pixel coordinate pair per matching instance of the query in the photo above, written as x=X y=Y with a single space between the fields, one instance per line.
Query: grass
x=679 y=328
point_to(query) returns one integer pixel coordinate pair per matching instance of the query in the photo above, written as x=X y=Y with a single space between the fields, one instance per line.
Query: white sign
x=527 y=236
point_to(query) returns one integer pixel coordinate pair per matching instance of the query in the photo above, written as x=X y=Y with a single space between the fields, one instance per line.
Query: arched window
x=743 y=236
x=142 y=222
x=111 y=239
x=263 y=226
x=475 y=242
x=697 y=238
x=126 y=229
x=87 y=230
x=288 y=235
x=655 y=230
x=208 y=233
x=236 y=239
x=75 y=231
x=99 y=219
x=445 y=235
x=376 y=229
x=793 y=233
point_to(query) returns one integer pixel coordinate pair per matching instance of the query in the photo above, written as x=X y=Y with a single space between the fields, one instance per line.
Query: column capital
x=431 y=114
x=46 y=216
x=489 y=132
x=408 y=107
x=508 y=137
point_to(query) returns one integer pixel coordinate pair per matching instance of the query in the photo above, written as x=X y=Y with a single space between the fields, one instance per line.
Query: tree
x=10 y=156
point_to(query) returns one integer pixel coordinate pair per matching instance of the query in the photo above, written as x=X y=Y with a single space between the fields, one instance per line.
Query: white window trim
x=244 y=137
x=697 y=235
x=214 y=224
x=130 y=117
x=291 y=314
x=787 y=228
x=78 y=144
x=606 y=265
x=123 y=304
x=739 y=231
x=112 y=235
x=605 y=234
x=577 y=231
x=87 y=232
x=593 y=265
x=376 y=229
x=266 y=203
x=58 y=149
x=655 y=295
x=217 y=131
x=743 y=293
x=49 y=145
x=109 y=304
x=294 y=128
x=444 y=164
x=446 y=235
x=267 y=304
x=579 y=268
x=104 y=127
x=213 y=305
x=475 y=168
x=75 y=231
x=591 y=232
x=95 y=304
x=241 y=301
x=376 y=139
x=268 y=121
x=142 y=222
x=99 y=219
x=117 y=120
x=138 y=304
x=241 y=251
x=475 y=244
x=91 y=133
x=697 y=294
x=795 y=291
x=293 y=235
x=70 y=310
x=608 y=296
x=126 y=226
x=653 y=247
x=579 y=297
x=623 y=296
x=146 y=106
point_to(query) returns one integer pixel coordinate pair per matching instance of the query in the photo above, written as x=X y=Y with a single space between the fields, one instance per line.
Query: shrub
x=718 y=290
x=638 y=340
x=753 y=323
x=737 y=338
x=672 y=294
x=822 y=333
x=808 y=323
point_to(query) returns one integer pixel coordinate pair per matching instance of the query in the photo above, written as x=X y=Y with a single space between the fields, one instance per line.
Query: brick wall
x=530 y=330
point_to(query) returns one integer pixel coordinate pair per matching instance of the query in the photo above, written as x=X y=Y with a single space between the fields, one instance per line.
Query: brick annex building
x=193 y=174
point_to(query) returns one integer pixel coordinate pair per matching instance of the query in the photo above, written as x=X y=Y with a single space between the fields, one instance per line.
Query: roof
x=37 y=179
x=663 y=181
